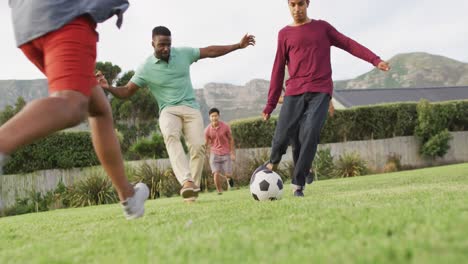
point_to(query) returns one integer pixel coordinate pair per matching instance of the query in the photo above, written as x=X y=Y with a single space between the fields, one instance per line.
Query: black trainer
x=310 y=177
x=298 y=193
x=231 y=183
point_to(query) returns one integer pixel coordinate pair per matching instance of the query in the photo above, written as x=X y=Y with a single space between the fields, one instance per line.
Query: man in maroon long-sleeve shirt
x=304 y=46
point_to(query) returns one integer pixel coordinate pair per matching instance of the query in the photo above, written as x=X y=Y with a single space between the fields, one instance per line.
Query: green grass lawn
x=416 y=216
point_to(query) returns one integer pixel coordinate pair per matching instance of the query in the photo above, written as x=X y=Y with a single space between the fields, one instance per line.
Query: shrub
x=253 y=132
x=151 y=176
x=393 y=163
x=149 y=148
x=350 y=165
x=96 y=189
x=62 y=150
x=432 y=129
x=361 y=123
x=35 y=202
x=169 y=185
x=323 y=164
x=437 y=145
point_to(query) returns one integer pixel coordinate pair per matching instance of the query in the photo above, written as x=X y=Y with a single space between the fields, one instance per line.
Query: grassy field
x=416 y=216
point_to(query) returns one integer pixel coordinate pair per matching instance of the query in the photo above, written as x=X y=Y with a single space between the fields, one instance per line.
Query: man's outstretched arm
x=216 y=51
x=121 y=92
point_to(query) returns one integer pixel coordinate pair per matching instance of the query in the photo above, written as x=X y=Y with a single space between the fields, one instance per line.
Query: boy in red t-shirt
x=220 y=143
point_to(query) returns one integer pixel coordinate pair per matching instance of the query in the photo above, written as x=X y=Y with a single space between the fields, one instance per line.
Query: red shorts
x=67 y=56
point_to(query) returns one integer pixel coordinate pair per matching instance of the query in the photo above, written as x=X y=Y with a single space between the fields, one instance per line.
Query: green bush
x=364 y=123
x=153 y=148
x=33 y=203
x=131 y=132
x=437 y=145
x=151 y=176
x=62 y=150
x=169 y=185
x=96 y=189
x=323 y=164
x=350 y=165
x=393 y=163
x=434 y=122
x=253 y=132
x=361 y=123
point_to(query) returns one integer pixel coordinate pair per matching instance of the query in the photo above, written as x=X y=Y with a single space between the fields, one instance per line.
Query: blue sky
x=386 y=27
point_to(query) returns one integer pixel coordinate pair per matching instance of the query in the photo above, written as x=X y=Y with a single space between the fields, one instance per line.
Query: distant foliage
x=253 y=132
x=9 y=111
x=434 y=122
x=153 y=148
x=364 y=123
x=62 y=150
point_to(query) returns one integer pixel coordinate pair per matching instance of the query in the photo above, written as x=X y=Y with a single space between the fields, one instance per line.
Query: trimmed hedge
x=360 y=123
x=66 y=150
x=61 y=150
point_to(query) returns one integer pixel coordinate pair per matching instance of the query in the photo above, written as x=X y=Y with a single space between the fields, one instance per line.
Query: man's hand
x=102 y=81
x=247 y=40
x=281 y=100
x=266 y=116
x=383 y=66
x=331 y=109
x=233 y=156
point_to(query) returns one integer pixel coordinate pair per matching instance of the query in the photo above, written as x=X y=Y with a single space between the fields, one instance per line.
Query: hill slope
x=240 y=101
x=413 y=70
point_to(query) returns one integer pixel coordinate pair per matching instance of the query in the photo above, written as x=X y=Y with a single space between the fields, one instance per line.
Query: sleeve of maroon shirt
x=277 y=77
x=343 y=42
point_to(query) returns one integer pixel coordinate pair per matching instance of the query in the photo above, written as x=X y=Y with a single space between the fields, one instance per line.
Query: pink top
x=219 y=138
x=306 y=51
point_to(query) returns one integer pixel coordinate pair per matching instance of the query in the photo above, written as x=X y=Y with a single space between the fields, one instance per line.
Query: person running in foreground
x=166 y=73
x=59 y=38
x=304 y=46
x=220 y=142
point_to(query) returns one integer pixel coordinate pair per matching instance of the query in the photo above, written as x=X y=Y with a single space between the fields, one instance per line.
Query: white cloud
x=386 y=27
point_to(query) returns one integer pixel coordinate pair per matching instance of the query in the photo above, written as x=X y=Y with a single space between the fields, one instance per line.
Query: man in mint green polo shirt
x=166 y=73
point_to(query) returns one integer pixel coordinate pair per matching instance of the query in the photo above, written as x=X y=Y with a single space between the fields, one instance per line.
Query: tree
x=10 y=111
x=7 y=113
x=142 y=106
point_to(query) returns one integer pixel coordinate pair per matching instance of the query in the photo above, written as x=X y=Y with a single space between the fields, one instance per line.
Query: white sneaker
x=134 y=207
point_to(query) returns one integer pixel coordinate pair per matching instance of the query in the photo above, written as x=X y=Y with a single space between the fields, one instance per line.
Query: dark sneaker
x=220 y=193
x=298 y=193
x=231 y=183
x=310 y=177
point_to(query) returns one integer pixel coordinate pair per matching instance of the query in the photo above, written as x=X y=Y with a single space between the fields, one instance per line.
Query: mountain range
x=239 y=101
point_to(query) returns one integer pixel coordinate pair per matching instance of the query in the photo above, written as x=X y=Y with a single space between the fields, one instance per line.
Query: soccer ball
x=266 y=185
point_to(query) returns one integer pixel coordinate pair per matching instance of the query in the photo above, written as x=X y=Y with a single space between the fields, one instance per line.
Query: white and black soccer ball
x=266 y=185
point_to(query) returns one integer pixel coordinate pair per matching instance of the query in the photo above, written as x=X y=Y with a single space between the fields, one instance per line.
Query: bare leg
x=106 y=144
x=43 y=117
x=217 y=181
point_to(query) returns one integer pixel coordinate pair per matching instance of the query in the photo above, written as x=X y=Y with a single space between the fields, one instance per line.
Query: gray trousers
x=300 y=121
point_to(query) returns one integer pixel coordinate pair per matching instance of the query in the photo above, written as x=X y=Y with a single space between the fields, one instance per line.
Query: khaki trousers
x=178 y=121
